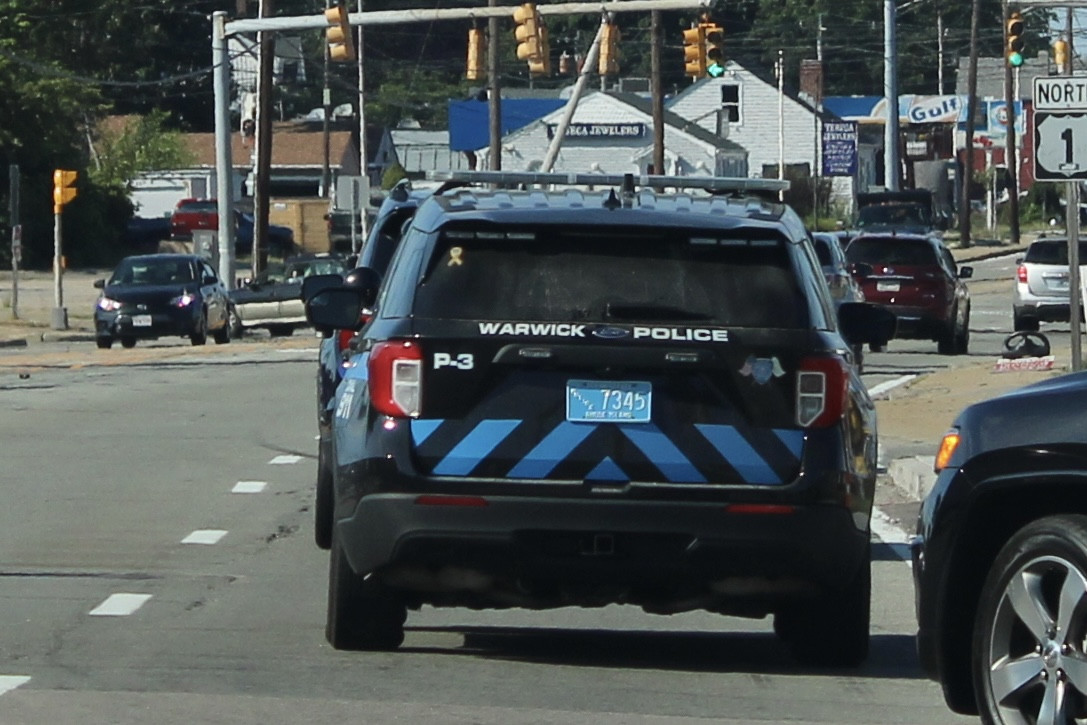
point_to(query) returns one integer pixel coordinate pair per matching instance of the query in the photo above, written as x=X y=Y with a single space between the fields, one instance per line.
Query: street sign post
x=1060 y=154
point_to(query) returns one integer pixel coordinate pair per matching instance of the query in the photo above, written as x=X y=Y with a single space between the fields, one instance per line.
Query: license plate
x=141 y=320
x=887 y=286
x=594 y=401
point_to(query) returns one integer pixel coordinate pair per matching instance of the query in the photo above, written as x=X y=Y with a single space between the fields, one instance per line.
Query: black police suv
x=1000 y=557
x=585 y=397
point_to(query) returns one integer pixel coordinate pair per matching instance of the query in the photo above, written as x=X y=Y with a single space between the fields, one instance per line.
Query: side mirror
x=966 y=272
x=335 y=308
x=99 y=284
x=367 y=281
x=314 y=284
x=863 y=322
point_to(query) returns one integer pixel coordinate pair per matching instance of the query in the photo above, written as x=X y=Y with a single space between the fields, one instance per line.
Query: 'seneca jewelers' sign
x=600 y=130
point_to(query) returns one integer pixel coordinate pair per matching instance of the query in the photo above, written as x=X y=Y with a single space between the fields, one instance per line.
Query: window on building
x=730 y=102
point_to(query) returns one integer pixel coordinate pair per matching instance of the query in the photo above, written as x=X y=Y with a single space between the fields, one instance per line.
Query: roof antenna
x=612 y=202
x=628 y=190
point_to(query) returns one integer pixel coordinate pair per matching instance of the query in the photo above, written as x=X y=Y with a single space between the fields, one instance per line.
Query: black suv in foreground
x=595 y=397
x=1000 y=558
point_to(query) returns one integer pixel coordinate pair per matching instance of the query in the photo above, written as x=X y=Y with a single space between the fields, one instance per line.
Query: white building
x=612 y=133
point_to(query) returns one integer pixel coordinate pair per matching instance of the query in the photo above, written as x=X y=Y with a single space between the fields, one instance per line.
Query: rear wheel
x=128 y=342
x=831 y=631
x=362 y=614
x=222 y=335
x=962 y=339
x=199 y=335
x=1029 y=634
x=322 y=507
x=104 y=343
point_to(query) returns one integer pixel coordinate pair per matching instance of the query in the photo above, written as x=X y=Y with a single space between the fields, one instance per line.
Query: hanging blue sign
x=839 y=148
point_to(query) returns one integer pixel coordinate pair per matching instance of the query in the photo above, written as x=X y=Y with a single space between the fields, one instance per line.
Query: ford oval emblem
x=609 y=332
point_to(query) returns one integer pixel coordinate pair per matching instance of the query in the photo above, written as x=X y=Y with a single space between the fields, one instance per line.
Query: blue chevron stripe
x=752 y=467
x=552 y=450
x=657 y=447
x=793 y=439
x=474 y=447
x=421 y=429
x=607 y=470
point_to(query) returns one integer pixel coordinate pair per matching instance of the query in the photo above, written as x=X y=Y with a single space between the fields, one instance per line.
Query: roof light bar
x=707 y=183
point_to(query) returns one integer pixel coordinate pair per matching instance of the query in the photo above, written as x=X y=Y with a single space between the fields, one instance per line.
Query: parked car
x=1000 y=557
x=565 y=400
x=915 y=276
x=340 y=233
x=1041 y=283
x=203 y=214
x=161 y=295
x=274 y=299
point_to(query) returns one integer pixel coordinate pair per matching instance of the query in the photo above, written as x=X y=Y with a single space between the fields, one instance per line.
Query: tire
x=362 y=614
x=199 y=336
x=222 y=335
x=858 y=358
x=280 y=330
x=945 y=343
x=962 y=340
x=237 y=329
x=322 y=506
x=128 y=342
x=1024 y=323
x=877 y=347
x=831 y=631
x=1043 y=568
x=103 y=343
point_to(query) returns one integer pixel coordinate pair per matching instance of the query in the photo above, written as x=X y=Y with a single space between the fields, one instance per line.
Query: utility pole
x=940 y=53
x=967 y=169
x=363 y=194
x=326 y=129
x=657 y=92
x=1011 y=160
x=890 y=92
x=266 y=40
x=494 y=92
x=16 y=236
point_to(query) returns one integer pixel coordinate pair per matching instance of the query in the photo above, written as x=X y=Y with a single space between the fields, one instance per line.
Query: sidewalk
x=36 y=301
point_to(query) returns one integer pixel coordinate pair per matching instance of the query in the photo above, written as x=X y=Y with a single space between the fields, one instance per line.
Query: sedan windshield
x=135 y=271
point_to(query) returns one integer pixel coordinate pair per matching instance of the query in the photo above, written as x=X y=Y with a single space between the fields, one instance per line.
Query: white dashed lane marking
x=284 y=460
x=10 y=682
x=204 y=536
x=120 y=605
x=249 y=487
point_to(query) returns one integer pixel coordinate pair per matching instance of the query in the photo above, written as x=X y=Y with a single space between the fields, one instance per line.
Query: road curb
x=913 y=475
x=63 y=336
x=14 y=342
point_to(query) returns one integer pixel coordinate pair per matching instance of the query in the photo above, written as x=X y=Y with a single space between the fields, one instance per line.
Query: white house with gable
x=774 y=127
x=612 y=133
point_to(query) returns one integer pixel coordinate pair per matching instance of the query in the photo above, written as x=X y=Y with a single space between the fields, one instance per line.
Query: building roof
x=293 y=145
x=645 y=105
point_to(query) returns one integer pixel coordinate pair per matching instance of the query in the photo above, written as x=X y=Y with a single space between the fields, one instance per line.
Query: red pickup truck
x=193 y=214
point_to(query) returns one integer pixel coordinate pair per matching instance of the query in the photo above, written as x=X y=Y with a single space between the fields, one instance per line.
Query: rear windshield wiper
x=652 y=312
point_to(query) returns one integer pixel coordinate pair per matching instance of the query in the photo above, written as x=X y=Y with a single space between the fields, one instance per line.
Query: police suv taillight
x=822 y=385
x=396 y=378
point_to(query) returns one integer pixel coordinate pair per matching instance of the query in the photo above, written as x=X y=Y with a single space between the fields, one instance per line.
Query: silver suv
x=1041 y=283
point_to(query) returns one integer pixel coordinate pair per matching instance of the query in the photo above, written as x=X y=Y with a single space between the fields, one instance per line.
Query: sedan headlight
x=108 y=305
x=184 y=300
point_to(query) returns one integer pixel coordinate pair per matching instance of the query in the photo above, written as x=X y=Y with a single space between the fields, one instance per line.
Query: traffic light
x=541 y=66
x=609 y=51
x=63 y=191
x=477 y=48
x=694 y=51
x=1013 y=40
x=1060 y=55
x=713 y=37
x=527 y=32
x=341 y=43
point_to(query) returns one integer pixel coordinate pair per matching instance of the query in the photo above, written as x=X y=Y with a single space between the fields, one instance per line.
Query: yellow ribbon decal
x=454 y=257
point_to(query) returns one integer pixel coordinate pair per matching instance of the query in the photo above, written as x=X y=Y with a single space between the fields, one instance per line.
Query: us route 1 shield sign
x=1060 y=128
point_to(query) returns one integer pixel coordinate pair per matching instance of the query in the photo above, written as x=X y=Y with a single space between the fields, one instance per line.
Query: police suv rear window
x=594 y=274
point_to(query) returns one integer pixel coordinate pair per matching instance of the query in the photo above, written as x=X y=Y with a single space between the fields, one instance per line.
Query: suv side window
x=396 y=297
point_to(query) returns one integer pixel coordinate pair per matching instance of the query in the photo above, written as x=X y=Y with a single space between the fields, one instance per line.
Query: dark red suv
x=915 y=276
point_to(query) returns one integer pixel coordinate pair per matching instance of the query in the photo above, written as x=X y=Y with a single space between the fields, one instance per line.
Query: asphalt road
x=111 y=616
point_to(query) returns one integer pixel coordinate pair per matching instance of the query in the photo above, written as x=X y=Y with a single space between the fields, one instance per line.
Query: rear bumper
x=919 y=322
x=535 y=552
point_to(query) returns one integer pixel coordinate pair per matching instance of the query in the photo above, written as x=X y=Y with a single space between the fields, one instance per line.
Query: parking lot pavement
x=36 y=299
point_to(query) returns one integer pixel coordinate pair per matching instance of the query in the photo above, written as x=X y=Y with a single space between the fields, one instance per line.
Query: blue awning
x=469 y=121
x=851 y=107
